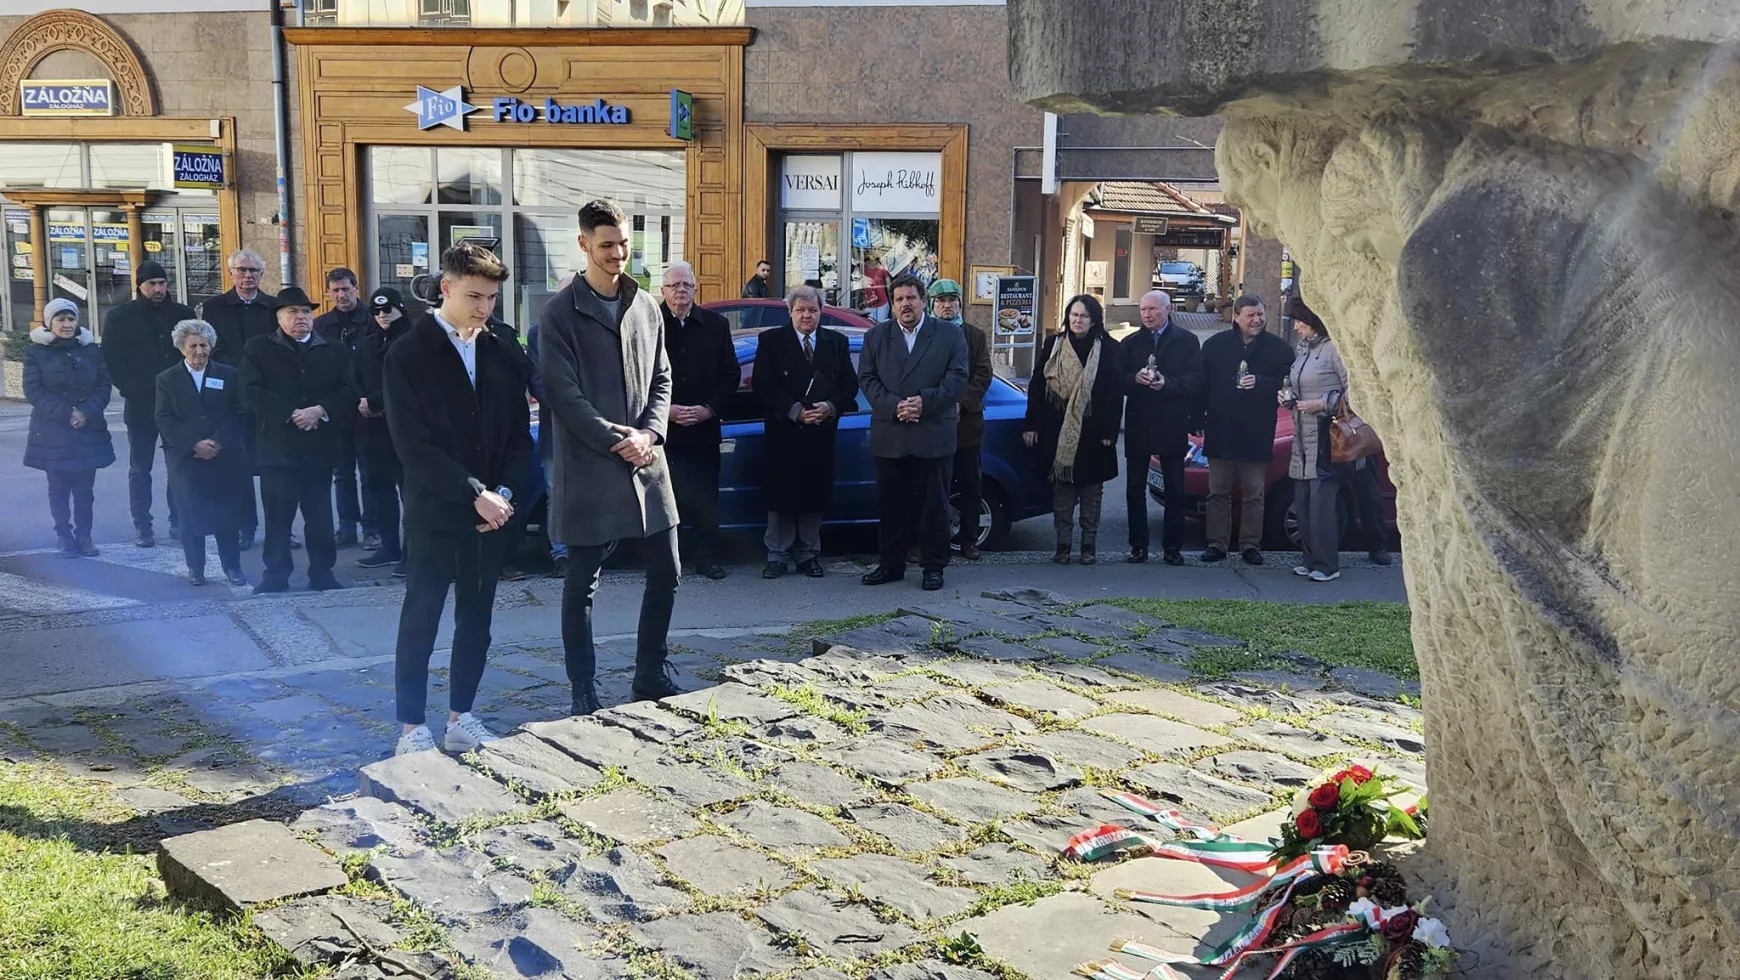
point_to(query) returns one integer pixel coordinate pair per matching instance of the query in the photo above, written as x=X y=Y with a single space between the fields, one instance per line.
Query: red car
x=760 y=314
x=1281 y=530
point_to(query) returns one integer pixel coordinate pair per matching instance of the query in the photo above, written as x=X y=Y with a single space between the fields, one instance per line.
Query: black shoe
x=245 y=539
x=711 y=571
x=773 y=569
x=1137 y=556
x=1212 y=554
x=1382 y=559
x=933 y=581
x=68 y=547
x=145 y=539
x=559 y=567
x=195 y=578
x=371 y=541
x=295 y=542
x=1252 y=556
x=344 y=539
x=510 y=574
x=812 y=568
x=379 y=559
x=174 y=534
x=323 y=583
x=399 y=570
x=1175 y=558
x=271 y=585
x=235 y=577
x=658 y=687
x=88 y=550
x=585 y=700
x=882 y=575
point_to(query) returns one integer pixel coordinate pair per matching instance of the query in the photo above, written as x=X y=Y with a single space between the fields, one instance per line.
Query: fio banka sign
x=598 y=113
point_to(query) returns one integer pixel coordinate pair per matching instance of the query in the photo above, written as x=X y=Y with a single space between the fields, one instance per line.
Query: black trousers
x=283 y=491
x=912 y=506
x=1361 y=477
x=663 y=575
x=229 y=552
x=142 y=444
x=470 y=562
x=382 y=478
x=695 y=480
x=970 y=484
x=353 y=507
x=69 y=500
x=1136 y=501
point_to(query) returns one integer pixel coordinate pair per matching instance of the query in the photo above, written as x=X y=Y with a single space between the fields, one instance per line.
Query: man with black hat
x=382 y=474
x=343 y=324
x=299 y=393
x=137 y=348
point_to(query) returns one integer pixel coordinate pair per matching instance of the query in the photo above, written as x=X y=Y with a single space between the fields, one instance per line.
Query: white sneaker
x=417 y=739
x=1301 y=570
x=467 y=733
x=1321 y=577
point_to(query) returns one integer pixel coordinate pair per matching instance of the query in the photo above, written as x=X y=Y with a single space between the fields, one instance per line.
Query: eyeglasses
x=686 y=286
x=247 y=270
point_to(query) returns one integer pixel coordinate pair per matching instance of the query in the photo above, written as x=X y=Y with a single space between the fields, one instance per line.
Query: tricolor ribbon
x=1323 y=860
x=1234 y=961
x=1103 y=842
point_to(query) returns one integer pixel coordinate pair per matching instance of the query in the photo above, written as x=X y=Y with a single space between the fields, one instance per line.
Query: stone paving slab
x=1303 y=742
x=621 y=886
x=245 y=864
x=951 y=721
x=1051 y=937
x=973 y=800
x=1042 y=696
x=998 y=864
x=1261 y=768
x=454 y=884
x=629 y=817
x=1188 y=786
x=784 y=829
x=719 y=867
x=883 y=759
x=433 y=784
x=537 y=766
x=715 y=946
x=909 y=830
x=536 y=942
x=819 y=784
x=1191 y=711
x=1025 y=770
x=1083 y=749
x=898 y=884
x=1153 y=734
x=649 y=721
x=836 y=928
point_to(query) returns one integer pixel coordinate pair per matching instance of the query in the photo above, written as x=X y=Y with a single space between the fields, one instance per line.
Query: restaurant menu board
x=1016 y=296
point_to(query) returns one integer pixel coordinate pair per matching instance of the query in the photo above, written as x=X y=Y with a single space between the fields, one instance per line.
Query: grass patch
x=1373 y=635
x=822 y=627
x=808 y=699
x=76 y=906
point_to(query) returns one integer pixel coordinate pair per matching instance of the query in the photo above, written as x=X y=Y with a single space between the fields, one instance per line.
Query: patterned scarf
x=1069 y=386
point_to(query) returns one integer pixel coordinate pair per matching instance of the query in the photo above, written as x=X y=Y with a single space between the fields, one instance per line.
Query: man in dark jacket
x=456 y=405
x=382 y=474
x=1162 y=368
x=1242 y=368
x=299 y=394
x=238 y=316
x=137 y=347
x=607 y=392
x=945 y=299
x=803 y=378
x=343 y=325
x=912 y=369
x=704 y=376
x=759 y=285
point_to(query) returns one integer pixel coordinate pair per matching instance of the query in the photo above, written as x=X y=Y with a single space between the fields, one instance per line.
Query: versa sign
x=86 y=97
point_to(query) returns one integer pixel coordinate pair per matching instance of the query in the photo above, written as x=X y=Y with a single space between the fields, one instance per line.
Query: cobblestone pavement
x=851 y=809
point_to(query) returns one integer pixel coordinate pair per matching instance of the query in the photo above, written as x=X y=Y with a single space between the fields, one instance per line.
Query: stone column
x=38 y=262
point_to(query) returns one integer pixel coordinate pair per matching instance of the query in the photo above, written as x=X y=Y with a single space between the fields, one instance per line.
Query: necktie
x=809 y=352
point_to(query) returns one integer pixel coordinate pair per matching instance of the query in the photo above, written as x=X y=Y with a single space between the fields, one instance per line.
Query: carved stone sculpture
x=1519 y=221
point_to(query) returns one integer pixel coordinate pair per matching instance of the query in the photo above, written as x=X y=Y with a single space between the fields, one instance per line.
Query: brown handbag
x=1350 y=438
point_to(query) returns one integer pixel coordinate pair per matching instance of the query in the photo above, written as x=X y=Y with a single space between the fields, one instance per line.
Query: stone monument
x=1518 y=219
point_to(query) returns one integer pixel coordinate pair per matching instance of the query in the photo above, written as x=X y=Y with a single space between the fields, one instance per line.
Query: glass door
x=89 y=261
x=812 y=255
x=202 y=257
x=162 y=238
x=20 y=274
x=111 y=261
x=69 y=258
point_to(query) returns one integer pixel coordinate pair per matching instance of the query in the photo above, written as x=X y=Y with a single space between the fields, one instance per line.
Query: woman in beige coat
x=1314 y=391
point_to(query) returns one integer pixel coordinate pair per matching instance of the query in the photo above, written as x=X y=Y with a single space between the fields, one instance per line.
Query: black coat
x=137 y=347
x=215 y=496
x=61 y=374
x=1160 y=422
x=279 y=376
x=798 y=459
x=237 y=323
x=755 y=288
x=704 y=371
x=449 y=433
x=367 y=376
x=970 y=430
x=1240 y=425
x=1095 y=462
x=347 y=331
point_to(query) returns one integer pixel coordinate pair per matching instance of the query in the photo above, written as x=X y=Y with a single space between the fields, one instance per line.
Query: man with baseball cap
x=382 y=475
x=137 y=348
x=968 y=484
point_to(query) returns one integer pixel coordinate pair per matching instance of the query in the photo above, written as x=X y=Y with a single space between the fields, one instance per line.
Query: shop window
x=41 y=165
x=132 y=166
x=468 y=176
x=878 y=210
x=401 y=255
x=1124 y=244
x=20 y=274
x=637 y=180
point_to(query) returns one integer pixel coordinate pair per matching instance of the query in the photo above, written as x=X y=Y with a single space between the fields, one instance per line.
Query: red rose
x=1400 y=927
x=1360 y=774
x=1310 y=825
x=1326 y=796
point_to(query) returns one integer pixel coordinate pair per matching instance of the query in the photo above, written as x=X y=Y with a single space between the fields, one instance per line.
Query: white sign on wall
x=896 y=183
x=810 y=183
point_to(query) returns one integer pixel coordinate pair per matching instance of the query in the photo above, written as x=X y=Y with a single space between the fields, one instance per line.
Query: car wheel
x=1289 y=531
x=993 y=516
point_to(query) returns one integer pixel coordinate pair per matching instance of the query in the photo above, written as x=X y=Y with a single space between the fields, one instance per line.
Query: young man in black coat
x=1162 y=369
x=1243 y=369
x=804 y=380
x=704 y=376
x=456 y=405
x=343 y=324
x=137 y=347
x=299 y=393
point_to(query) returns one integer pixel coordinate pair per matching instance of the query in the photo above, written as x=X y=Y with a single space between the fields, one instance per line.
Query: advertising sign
x=1016 y=298
x=80 y=97
x=198 y=167
x=682 y=115
x=896 y=183
x=810 y=183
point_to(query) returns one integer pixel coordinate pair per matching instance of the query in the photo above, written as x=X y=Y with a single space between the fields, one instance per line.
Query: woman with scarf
x=67 y=385
x=1074 y=404
x=1315 y=388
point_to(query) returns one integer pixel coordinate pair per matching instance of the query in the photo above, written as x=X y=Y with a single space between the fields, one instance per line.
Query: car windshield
x=1177 y=268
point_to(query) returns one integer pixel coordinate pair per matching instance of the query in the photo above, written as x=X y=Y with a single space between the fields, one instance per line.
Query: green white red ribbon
x=1102 y=842
x=1168 y=818
x=1323 y=860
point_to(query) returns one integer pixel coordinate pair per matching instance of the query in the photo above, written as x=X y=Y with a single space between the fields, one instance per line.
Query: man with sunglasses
x=238 y=316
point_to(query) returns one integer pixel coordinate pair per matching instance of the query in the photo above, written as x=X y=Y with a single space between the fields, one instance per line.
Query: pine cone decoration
x=1384 y=885
x=1406 y=962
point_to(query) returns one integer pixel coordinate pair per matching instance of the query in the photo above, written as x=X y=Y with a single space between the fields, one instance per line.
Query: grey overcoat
x=599 y=370
x=936 y=369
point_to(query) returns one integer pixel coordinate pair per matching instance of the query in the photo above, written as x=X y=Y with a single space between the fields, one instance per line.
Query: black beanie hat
x=148 y=270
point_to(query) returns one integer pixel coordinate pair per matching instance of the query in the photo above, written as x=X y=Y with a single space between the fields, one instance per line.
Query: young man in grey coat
x=607 y=391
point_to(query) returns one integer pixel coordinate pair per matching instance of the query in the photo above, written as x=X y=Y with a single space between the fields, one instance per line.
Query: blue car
x=1014 y=486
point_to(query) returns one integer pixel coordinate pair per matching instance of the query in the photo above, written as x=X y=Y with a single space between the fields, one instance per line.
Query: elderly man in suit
x=704 y=376
x=913 y=369
x=239 y=316
x=607 y=387
x=198 y=409
x=803 y=378
x=1162 y=375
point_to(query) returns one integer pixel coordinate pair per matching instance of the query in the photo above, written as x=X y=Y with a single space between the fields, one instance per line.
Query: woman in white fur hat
x=67 y=385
